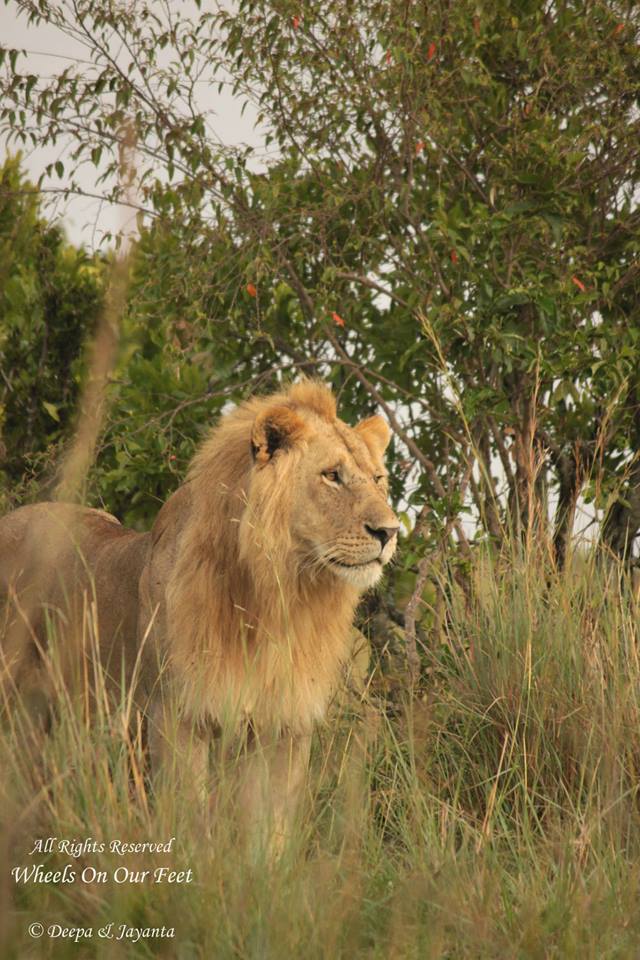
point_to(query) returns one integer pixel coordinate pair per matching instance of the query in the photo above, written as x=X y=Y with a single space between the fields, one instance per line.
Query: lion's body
x=75 y=571
x=245 y=589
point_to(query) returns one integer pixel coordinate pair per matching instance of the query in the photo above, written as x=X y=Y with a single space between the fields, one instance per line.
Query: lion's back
x=75 y=567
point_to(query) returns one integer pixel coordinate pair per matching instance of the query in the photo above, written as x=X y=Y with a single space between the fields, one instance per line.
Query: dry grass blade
x=103 y=352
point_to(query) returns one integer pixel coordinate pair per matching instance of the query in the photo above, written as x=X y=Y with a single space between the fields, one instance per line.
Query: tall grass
x=494 y=815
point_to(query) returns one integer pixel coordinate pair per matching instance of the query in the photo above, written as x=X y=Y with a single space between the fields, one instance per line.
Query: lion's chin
x=362 y=576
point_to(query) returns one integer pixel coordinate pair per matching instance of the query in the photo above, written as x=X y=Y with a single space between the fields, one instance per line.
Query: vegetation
x=448 y=222
x=50 y=297
x=439 y=215
x=497 y=816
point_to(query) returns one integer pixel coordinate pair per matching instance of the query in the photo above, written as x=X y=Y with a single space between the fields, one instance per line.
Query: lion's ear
x=276 y=428
x=376 y=433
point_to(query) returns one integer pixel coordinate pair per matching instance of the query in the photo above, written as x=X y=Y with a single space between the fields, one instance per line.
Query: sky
x=86 y=220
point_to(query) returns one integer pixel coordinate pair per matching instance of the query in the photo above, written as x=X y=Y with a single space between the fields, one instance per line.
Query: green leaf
x=52 y=410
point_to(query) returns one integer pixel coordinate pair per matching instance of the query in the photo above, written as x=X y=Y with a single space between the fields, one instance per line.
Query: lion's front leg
x=179 y=753
x=272 y=777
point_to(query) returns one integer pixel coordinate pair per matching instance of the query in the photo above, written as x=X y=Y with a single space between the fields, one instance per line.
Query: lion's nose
x=383 y=534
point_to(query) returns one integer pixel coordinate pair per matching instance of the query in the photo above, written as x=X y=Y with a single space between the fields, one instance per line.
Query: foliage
x=50 y=295
x=447 y=228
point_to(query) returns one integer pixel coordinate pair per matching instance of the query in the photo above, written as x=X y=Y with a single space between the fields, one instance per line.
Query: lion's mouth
x=355 y=566
x=359 y=575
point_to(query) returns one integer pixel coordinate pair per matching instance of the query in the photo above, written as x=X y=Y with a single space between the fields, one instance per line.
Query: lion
x=237 y=607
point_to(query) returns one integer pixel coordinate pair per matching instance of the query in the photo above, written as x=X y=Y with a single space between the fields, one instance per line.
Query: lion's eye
x=379 y=477
x=332 y=476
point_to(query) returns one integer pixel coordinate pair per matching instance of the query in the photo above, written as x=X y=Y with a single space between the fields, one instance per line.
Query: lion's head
x=335 y=481
x=308 y=492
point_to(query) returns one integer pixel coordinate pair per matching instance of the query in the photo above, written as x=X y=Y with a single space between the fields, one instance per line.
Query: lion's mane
x=250 y=633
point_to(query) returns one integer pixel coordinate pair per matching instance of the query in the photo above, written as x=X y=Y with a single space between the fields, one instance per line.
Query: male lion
x=243 y=592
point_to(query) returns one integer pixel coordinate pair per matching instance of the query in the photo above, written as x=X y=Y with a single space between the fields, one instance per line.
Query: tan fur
x=76 y=570
x=249 y=579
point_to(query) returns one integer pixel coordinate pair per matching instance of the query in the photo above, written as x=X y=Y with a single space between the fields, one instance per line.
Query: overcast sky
x=85 y=220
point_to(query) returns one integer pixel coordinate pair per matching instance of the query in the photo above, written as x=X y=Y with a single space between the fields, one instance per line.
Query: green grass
x=497 y=815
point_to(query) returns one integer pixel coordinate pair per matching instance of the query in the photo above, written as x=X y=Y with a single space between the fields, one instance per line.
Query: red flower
x=295 y=21
x=579 y=284
x=454 y=257
x=337 y=319
x=387 y=56
x=419 y=147
x=251 y=290
x=431 y=52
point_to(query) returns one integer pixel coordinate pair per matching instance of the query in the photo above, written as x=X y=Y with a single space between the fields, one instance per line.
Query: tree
x=50 y=296
x=448 y=229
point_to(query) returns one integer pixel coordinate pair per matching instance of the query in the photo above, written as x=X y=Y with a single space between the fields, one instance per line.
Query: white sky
x=87 y=220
